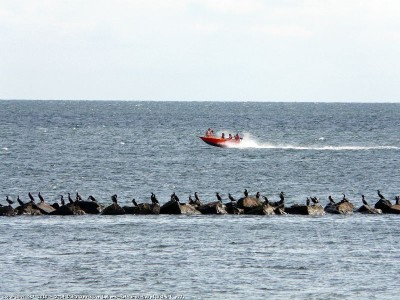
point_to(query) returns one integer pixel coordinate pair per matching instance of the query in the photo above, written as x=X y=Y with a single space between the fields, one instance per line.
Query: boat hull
x=219 y=142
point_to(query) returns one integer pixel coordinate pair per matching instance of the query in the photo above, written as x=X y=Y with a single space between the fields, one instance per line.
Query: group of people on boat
x=210 y=133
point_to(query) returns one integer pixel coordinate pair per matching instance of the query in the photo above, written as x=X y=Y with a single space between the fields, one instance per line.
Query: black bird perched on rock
x=314 y=200
x=9 y=201
x=344 y=198
x=196 y=196
x=20 y=202
x=331 y=201
x=380 y=195
x=62 y=200
x=91 y=198
x=78 y=197
x=114 y=198
x=397 y=198
x=246 y=193
x=218 y=197
x=266 y=201
x=308 y=201
x=364 y=201
x=190 y=200
x=69 y=198
x=134 y=202
x=174 y=197
x=258 y=195
x=282 y=197
x=40 y=198
x=31 y=197
x=154 y=199
x=231 y=198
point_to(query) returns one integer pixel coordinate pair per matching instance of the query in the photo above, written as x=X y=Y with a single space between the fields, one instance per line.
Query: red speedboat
x=219 y=141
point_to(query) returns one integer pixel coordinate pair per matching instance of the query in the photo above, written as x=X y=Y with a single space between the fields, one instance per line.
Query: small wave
x=250 y=142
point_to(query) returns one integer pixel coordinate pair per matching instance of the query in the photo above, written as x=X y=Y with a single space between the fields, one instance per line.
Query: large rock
x=213 y=208
x=143 y=209
x=113 y=209
x=311 y=210
x=173 y=207
x=7 y=211
x=45 y=208
x=264 y=209
x=342 y=207
x=231 y=208
x=89 y=207
x=249 y=203
x=387 y=207
x=68 y=209
x=29 y=208
x=366 y=209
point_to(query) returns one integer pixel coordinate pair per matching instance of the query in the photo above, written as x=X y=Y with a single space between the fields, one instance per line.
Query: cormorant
x=218 y=197
x=314 y=200
x=114 y=198
x=78 y=197
x=364 y=201
x=134 y=202
x=344 y=198
x=282 y=197
x=69 y=198
x=62 y=200
x=308 y=201
x=331 y=201
x=154 y=198
x=40 y=198
x=175 y=197
x=397 y=200
x=246 y=194
x=91 y=198
x=31 y=197
x=9 y=201
x=380 y=195
x=196 y=196
x=20 y=202
x=231 y=198
x=258 y=195
x=190 y=200
x=266 y=201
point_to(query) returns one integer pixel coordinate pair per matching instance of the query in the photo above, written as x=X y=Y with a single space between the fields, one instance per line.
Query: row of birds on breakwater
x=257 y=204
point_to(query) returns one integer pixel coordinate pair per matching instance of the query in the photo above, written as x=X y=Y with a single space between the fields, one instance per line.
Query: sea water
x=133 y=148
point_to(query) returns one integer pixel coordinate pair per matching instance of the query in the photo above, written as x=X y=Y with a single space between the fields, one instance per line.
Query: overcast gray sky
x=229 y=50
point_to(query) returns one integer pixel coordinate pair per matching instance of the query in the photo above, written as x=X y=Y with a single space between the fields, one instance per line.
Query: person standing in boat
x=230 y=136
x=208 y=132
x=237 y=137
x=223 y=136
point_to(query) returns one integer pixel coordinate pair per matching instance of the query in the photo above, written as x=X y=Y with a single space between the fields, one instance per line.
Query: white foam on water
x=250 y=142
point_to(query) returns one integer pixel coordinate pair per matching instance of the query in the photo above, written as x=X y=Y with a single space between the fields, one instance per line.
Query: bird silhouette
x=20 y=202
x=40 y=198
x=9 y=201
x=380 y=195
x=331 y=201
x=246 y=193
x=153 y=199
x=91 y=198
x=258 y=195
x=218 y=197
x=231 y=198
x=31 y=197
x=364 y=201
x=114 y=198
x=69 y=198
x=134 y=202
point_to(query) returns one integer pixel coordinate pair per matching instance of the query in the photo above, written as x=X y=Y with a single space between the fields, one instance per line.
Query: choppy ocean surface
x=134 y=148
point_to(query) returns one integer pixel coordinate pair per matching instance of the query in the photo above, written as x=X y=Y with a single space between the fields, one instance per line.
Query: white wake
x=250 y=142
